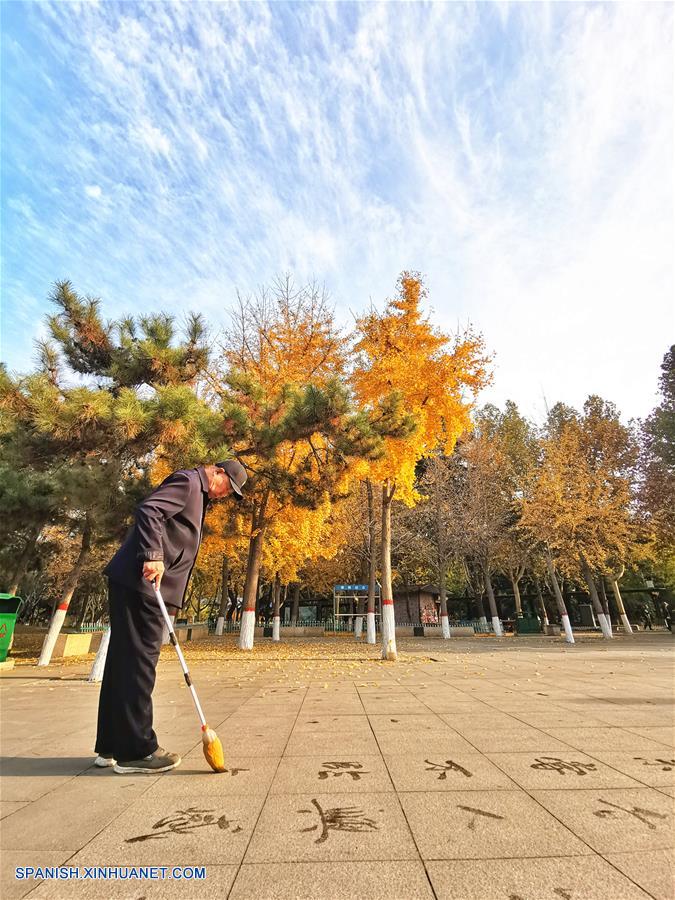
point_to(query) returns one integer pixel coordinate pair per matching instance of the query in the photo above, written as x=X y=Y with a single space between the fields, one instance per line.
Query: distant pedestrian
x=647 y=618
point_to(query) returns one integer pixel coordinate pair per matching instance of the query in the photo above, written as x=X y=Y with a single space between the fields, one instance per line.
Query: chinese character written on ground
x=342 y=768
x=185 y=821
x=554 y=764
x=477 y=812
x=338 y=818
x=666 y=765
x=644 y=815
x=236 y=771
x=444 y=768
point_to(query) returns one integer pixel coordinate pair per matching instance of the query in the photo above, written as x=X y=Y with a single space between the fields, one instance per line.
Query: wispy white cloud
x=519 y=155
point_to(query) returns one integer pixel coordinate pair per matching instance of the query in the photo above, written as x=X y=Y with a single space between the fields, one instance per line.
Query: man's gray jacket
x=168 y=527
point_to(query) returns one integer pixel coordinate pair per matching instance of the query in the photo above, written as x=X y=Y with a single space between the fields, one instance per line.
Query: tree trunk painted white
x=358 y=628
x=605 y=626
x=482 y=620
x=247 y=630
x=96 y=673
x=68 y=590
x=496 y=624
x=619 y=605
x=247 y=626
x=569 y=636
x=276 y=611
x=562 y=609
x=388 y=619
x=371 y=631
x=445 y=627
x=220 y=624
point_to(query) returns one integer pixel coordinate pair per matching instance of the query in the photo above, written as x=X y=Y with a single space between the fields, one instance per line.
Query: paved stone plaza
x=472 y=769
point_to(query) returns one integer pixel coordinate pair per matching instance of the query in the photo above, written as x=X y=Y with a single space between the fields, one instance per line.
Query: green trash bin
x=9 y=607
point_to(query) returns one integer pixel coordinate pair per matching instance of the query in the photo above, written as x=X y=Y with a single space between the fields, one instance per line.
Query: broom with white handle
x=213 y=749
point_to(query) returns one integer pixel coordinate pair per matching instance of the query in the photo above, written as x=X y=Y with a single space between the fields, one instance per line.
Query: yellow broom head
x=213 y=749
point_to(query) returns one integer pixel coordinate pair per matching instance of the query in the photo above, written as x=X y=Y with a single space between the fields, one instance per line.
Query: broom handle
x=172 y=638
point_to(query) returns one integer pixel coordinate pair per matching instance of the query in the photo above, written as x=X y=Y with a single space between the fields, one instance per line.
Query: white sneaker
x=104 y=762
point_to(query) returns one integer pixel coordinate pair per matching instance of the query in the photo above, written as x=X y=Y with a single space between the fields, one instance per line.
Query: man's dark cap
x=237 y=473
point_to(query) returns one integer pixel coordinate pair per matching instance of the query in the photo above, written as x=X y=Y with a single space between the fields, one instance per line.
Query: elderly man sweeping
x=160 y=548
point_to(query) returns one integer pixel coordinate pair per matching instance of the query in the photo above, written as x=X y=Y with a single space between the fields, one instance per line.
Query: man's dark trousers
x=125 y=702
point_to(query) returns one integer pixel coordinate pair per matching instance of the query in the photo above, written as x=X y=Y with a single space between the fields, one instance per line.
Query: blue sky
x=162 y=156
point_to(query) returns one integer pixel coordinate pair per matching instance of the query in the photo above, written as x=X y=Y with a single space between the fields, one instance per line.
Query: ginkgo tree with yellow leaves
x=433 y=380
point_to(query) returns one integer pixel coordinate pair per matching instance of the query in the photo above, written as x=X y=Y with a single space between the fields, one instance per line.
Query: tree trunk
x=542 y=605
x=496 y=624
x=224 y=595
x=516 y=597
x=388 y=619
x=605 y=624
x=476 y=591
x=24 y=559
x=276 y=618
x=66 y=596
x=96 y=673
x=371 y=632
x=360 y=603
x=562 y=609
x=253 y=563
x=604 y=601
x=442 y=571
x=614 y=581
x=295 y=608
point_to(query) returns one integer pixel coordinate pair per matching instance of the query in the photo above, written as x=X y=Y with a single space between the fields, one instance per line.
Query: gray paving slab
x=438 y=772
x=605 y=739
x=12 y=888
x=332 y=744
x=26 y=778
x=208 y=830
x=335 y=827
x=245 y=775
x=48 y=823
x=611 y=820
x=396 y=724
x=332 y=881
x=653 y=870
x=486 y=825
x=587 y=877
x=331 y=774
x=559 y=770
x=664 y=734
x=655 y=769
x=7 y=807
x=511 y=738
x=438 y=742
x=216 y=884
x=307 y=724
